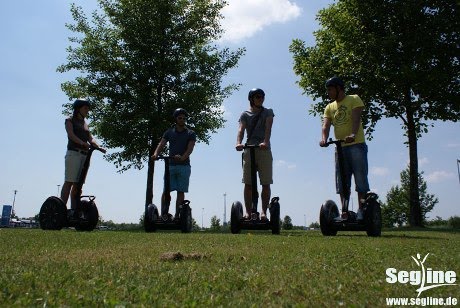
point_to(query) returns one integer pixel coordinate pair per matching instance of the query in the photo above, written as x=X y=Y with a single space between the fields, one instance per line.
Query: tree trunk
x=150 y=174
x=415 y=218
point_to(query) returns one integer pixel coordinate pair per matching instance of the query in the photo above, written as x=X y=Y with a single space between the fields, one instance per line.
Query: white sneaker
x=360 y=215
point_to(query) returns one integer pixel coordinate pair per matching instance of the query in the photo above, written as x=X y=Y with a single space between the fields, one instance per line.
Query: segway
x=238 y=222
x=329 y=217
x=153 y=221
x=54 y=214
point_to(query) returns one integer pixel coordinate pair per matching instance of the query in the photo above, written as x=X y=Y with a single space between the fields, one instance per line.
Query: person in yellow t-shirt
x=344 y=113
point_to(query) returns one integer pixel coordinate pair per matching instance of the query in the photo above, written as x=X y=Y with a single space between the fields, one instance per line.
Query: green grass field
x=115 y=268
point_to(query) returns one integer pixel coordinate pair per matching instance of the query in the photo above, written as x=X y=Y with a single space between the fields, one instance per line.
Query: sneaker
x=360 y=214
x=344 y=216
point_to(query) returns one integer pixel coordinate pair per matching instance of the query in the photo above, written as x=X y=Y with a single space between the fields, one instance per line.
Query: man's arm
x=240 y=136
x=325 y=131
x=268 y=133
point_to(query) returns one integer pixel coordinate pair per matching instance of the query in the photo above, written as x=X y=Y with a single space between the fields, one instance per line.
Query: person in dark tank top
x=79 y=140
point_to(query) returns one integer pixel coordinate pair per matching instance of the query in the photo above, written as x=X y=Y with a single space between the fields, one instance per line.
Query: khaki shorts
x=264 y=165
x=73 y=165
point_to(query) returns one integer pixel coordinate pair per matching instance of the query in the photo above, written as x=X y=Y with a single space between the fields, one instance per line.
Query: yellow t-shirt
x=340 y=115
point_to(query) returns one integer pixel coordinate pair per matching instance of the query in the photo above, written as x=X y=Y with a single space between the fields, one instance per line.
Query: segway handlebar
x=92 y=148
x=164 y=157
x=249 y=146
x=336 y=142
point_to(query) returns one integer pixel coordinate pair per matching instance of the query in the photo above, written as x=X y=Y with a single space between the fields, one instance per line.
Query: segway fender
x=185 y=217
x=53 y=214
x=87 y=215
x=150 y=218
x=329 y=211
x=236 y=217
x=373 y=215
x=275 y=220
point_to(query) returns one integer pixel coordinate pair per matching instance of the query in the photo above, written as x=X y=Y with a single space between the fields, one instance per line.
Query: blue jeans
x=179 y=177
x=355 y=163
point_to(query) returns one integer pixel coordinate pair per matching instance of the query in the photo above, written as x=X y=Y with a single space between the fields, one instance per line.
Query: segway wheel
x=373 y=216
x=328 y=212
x=151 y=216
x=235 y=217
x=53 y=214
x=186 y=217
x=88 y=215
x=275 y=220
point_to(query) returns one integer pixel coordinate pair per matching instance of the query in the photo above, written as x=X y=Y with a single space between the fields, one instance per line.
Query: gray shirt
x=258 y=134
x=178 y=142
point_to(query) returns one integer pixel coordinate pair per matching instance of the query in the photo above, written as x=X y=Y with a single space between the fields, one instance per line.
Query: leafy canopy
x=139 y=60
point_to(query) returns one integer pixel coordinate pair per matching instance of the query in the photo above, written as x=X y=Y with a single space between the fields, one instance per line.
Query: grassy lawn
x=115 y=268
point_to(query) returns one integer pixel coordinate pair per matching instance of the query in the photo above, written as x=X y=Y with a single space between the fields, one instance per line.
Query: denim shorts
x=179 y=177
x=355 y=163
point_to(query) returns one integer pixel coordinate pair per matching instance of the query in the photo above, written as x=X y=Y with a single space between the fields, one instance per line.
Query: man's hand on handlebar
x=239 y=147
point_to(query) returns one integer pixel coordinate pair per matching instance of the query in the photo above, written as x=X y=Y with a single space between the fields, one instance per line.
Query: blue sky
x=34 y=41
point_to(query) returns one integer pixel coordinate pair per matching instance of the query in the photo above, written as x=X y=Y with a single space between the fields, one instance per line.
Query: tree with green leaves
x=139 y=60
x=215 y=223
x=396 y=210
x=400 y=57
x=287 y=223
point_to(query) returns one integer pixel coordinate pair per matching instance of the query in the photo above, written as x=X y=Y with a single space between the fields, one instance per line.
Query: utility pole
x=14 y=200
x=202 y=213
x=58 y=191
x=225 y=210
x=458 y=169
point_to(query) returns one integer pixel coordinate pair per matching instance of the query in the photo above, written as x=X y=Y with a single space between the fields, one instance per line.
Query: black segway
x=330 y=219
x=54 y=214
x=237 y=221
x=152 y=219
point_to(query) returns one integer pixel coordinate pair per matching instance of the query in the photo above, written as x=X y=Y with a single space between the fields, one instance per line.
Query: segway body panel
x=153 y=221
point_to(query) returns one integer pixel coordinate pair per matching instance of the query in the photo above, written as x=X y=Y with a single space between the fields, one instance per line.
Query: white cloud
x=285 y=164
x=423 y=161
x=243 y=18
x=438 y=176
x=379 y=171
x=453 y=145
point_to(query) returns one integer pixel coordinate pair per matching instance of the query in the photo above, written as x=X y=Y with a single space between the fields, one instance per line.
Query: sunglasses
x=181 y=118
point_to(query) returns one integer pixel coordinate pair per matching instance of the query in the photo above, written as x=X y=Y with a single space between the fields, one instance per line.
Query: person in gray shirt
x=181 y=143
x=257 y=122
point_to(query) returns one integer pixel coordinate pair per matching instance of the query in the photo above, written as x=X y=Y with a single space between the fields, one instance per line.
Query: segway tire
x=88 y=216
x=53 y=214
x=373 y=216
x=329 y=211
x=235 y=217
x=185 y=218
x=151 y=216
x=275 y=220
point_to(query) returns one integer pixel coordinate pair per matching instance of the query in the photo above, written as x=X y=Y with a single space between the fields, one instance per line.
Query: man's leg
x=179 y=200
x=65 y=191
x=248 y=200
x=266 y=193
